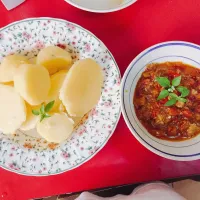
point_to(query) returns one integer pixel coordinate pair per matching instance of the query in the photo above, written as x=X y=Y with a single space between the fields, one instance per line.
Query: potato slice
x=31 y=119
x=9 y=83
x=61 y=108
x=32 y=133
x=54 y=59
x=56 y=128
x=9 y=66
x=77 y=120
x=81 y=89
x=33 y=83
x=56 y=83
x=12 y=110
x=33 y=60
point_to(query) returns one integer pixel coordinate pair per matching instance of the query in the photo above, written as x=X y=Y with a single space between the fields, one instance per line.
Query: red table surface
x=126 y=33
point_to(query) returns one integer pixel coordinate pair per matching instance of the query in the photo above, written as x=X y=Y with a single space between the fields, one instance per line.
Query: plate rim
x=119 y=114
x=132 y=129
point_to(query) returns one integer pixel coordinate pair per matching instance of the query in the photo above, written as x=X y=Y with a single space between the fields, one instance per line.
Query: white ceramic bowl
x=170 y=51
x=101 y=6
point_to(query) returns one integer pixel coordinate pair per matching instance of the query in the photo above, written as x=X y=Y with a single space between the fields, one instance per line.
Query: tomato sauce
x=177 y=122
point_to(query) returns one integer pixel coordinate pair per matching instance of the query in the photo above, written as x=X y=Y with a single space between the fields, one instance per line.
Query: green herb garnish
x=43 y=112
x=170 y=88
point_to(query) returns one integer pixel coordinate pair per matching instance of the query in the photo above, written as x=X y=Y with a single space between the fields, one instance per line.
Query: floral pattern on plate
x=29 y=155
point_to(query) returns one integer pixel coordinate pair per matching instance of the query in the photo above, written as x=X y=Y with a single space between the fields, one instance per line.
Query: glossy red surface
x=126 y=33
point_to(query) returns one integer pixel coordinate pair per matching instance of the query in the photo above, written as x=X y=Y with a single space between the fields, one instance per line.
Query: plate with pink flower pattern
x=29 y=154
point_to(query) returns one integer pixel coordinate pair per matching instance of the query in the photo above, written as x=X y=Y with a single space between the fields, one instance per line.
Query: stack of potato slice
x=26 y=85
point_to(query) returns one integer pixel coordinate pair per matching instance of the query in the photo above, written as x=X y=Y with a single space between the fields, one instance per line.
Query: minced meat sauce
x=177 y=122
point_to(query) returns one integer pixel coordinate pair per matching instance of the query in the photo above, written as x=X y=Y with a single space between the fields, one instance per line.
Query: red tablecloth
x=126 y=33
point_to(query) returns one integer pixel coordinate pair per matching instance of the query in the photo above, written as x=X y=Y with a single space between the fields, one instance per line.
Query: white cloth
x=153 y=191
x=10 y=4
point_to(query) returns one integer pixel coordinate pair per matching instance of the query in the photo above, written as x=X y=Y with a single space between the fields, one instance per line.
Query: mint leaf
x=163 y=94
x=49 y=106
x=182 y=99
x=42 y=111
x=42 y=117
x=176 y=81
x=173 y=96
x=171 y=102
x=47 y=115
x=183 y=90
x=163 y=81
x=35 y=112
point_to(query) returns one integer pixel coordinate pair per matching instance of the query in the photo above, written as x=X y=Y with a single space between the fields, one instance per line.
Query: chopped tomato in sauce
x=178 y=122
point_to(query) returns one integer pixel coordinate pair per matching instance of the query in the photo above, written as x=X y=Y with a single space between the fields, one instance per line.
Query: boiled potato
x=33 y=83
x=33 y=60
x=56 y=128
x=32 y=133
x=81 y=89
x=31 y=119
x=9 y=83
x=54 y=59
x=76 y=120
x=61 y=108
x=56 y=83
x=9 y=66
x=12 y=110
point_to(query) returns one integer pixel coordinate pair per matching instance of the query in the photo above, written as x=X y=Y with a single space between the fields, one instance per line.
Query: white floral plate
x=27 y=155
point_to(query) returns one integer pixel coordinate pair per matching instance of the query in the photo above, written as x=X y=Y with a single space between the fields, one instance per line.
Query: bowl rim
x=125 y=5
x=133 y=131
